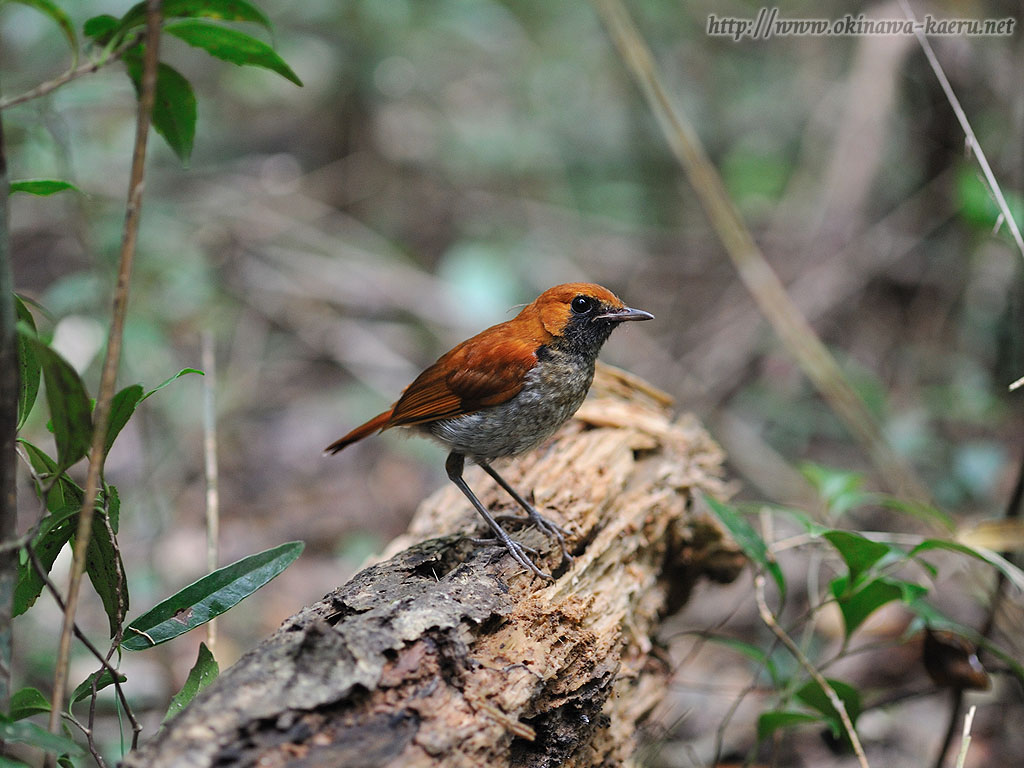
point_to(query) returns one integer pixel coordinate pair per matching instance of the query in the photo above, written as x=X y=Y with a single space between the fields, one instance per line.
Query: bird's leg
x=454 y=466
x=548 y=527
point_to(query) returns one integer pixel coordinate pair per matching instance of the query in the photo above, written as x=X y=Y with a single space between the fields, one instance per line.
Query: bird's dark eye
x=582 y=304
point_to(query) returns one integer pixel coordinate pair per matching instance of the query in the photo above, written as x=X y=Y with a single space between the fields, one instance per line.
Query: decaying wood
x=448 y=654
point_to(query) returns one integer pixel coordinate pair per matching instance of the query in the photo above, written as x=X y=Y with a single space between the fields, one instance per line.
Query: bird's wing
x=476 y=374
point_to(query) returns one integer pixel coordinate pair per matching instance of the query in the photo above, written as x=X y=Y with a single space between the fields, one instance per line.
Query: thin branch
x=210 y=451
x=72 y=74
x=106 y=391
x=38 y=568
x=760 y=279
x=965 y=124
x=769 y=619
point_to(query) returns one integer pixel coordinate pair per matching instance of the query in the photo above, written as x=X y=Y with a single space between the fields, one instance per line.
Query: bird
x=505 y=391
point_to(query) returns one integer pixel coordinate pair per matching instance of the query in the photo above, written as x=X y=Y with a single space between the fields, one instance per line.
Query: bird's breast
x=552 y=392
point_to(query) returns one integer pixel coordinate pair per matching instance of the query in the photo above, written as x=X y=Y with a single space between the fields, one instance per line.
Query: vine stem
x=769 y=620
x=108 y=378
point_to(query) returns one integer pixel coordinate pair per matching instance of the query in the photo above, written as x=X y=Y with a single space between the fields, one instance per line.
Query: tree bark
x=448 y=654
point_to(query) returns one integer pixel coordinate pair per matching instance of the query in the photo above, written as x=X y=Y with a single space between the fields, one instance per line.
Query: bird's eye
x=582 y=304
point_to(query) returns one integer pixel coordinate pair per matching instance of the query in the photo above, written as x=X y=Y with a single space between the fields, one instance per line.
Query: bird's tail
x=376 y=424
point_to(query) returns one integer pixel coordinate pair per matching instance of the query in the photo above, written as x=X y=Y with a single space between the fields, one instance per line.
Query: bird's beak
x=626 y=313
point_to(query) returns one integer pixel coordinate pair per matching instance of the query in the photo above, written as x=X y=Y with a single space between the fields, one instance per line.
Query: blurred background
x=447 y=161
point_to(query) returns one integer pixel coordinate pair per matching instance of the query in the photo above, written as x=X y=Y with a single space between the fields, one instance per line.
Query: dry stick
x=769 y=619
x=755 y=272
x=210 y=451
x=109 y=376
x=965 y=125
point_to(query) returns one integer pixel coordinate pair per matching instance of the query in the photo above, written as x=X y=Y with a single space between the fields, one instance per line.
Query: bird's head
x=581 y=316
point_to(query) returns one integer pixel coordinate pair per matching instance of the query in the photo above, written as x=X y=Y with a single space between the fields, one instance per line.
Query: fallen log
x=448 y=654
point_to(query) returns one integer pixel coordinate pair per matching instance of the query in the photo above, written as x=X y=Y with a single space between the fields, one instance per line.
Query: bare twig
x=972 y=141
x=769 y=619
x=72 y=74
x=965 y=741
x=757 y=275
x=210 y=451
x=110 y=363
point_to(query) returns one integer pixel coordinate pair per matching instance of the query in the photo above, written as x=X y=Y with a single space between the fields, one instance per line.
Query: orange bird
x=507 y=389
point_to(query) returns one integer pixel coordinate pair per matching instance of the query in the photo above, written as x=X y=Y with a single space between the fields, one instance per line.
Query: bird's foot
x=520 y=552
x=549 y=528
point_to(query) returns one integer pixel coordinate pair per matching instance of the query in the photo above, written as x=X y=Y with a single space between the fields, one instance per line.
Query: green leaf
x=231 y=45
x=859 y=553
x=32 y=734
x=65 y=492
x=122 y=406
x=747 y=538
x=28 y=364
x=100 y=28
x=42 y=187
x=225 y=10
x=175 y=377
x=814 y=696
x=112 y=503
x=203 y=672
x=861 y=602
x=84 y=689
x=70 y=407
x=10 y=762
x=841 y=491
x=1012 y=573
x=174 y=110
x=769 y=722
x=54 y=532
x=59 y=17
x=209 y=597
x=28 y=702
x=106 y=571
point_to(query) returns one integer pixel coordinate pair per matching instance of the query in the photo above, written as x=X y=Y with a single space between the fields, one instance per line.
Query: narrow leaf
x=203 y=672
x=28 y=364
x=42 y=187
x=70 y=407
x=747 y=538
x=32 y=734
x=226 y=10
x=769 y=722
x=106 y=571
x=231 y=45
x=55 y=531
x=28 y=702
x=84 y=689
x=122 y=406
x=209 y=597
x=174 y=108
x=175 y=377
x=1013 y=574
x=59 y=17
